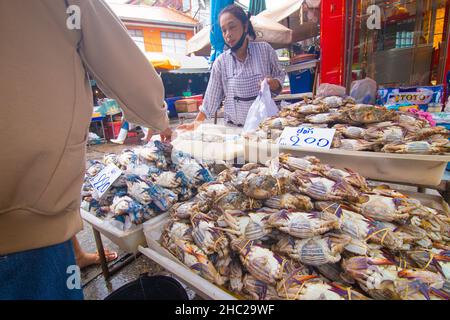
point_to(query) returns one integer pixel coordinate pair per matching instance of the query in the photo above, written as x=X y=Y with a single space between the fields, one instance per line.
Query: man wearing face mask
x=237 y=73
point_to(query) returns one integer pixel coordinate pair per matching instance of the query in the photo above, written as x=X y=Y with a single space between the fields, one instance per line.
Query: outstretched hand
x=166 y=135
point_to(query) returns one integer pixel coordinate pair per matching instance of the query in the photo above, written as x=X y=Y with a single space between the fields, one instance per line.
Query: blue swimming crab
x=303 y=224
x=207 y=236
x=320 y=188
x=251 y=226
x=262 y=263
x=314 y=251
x=195 y=259
x=293 y=201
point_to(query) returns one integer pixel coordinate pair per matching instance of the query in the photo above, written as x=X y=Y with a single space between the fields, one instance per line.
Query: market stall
x=271 y=196
x=300 y=207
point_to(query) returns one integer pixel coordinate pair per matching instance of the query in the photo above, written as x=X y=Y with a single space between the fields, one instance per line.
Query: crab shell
x=308 y=164
x=236 y=274
x=162 y=198
x=110 y=158
x=323 y=118
x=311 y=109
x=373 y=274
x=356 y=145
x=262 y=187
x=388 y=134
x=425 y=133
x=236 y=201
x=412 y=234
x=347 y=175
x=137 y=188
x=183 y=210
x=314 y=251
x=259 y=290
x=304 y=225
x=369 y=114
x=290 y=201
x=333 y=272
x=433 y=260
x=362 y=230
x=95 y=168
x=350 y=132
x=222 y=264
x=207 y=237
x=383 y=209
x=194 y=258
x=320 y=188
x=262 y=263
x=416 y=147
x=213 y=190
x=312 y=288
x=175 y=230
x=167 y=179
x=253 y=226
x=195 y=173
x=127 y=158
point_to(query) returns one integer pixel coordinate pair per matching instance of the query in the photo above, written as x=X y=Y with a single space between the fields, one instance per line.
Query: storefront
x=396 y=43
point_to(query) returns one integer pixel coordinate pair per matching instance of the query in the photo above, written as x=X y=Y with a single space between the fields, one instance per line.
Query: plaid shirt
x=231 y=79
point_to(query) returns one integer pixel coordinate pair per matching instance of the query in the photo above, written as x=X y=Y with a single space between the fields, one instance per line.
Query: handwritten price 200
x=321 y=143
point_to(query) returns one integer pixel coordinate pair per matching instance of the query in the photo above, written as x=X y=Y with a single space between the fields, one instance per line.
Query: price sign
x=104 y=179
x=320 y=138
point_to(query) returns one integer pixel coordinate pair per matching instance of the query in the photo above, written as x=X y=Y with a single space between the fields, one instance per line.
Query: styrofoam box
x=128 y=241
x=426 y=170
x=204 y=288
x=232 y=148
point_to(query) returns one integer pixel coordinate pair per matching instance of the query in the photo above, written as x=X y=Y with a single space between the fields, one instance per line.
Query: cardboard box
x=186 y=105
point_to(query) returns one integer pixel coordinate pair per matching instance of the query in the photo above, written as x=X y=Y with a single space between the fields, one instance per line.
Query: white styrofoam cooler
x=204 y=288
x=128 y=241
x=426 y=170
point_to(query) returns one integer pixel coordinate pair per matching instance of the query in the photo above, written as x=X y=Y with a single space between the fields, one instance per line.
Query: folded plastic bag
x=364 y=91
x=262 y=108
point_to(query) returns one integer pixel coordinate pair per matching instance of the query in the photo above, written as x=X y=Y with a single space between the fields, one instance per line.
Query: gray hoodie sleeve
x=121 y=70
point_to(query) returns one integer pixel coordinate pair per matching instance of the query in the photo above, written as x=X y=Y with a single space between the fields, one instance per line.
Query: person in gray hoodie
x=48 y=48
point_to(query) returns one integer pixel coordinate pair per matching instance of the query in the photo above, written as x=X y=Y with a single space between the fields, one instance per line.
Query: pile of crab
x=153 y=179
x=300 y=229
x=359 y=127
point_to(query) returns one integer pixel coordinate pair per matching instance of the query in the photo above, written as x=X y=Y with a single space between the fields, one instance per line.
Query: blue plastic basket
x=171 y=106
x=301 y=81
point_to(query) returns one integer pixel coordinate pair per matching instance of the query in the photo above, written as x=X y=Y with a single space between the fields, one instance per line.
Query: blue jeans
x=41 y=274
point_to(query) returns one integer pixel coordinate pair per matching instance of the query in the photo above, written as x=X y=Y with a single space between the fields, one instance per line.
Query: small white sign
x=320 y=138
x=104 y=179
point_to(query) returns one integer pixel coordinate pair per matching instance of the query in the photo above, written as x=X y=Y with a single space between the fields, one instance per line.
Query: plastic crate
x=198 y=98
x=112 y=129
x=171 y=106
x=301 y=81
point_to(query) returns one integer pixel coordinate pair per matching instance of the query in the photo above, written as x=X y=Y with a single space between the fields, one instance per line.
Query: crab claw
x=301 y=279
x=380 y=261
x=440 y=293
x=406 y=274
x=444 y=256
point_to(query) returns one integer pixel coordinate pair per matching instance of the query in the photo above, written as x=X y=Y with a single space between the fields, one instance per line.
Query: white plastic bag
x=328 y=90
x=364 y=91
x=447 y=105
x=262 y=108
